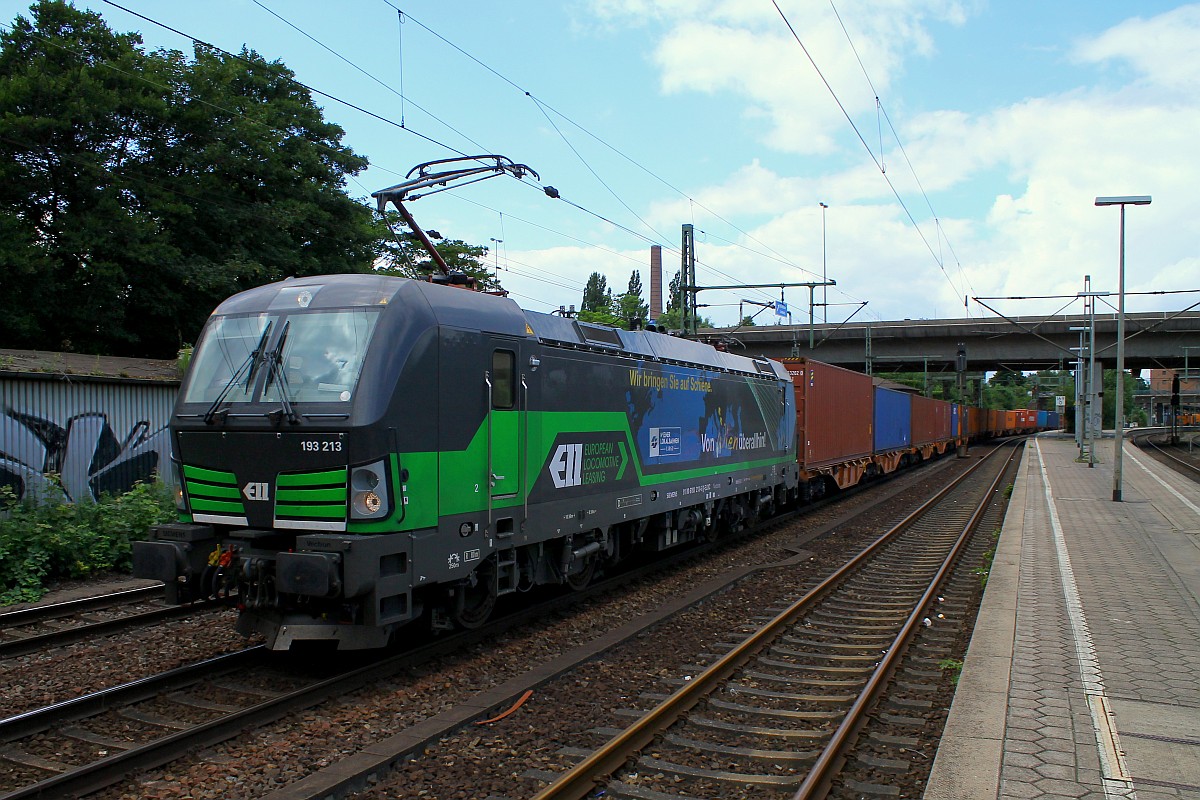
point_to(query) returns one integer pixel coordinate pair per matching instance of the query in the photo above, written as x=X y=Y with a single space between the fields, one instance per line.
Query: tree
x=1004 y=396
x=598 y=304
x=1108 y=403
x=630 y=306
x=66 y=226
x=138 y=190
x=404 y=256
x=596 y=294
x=670 y=320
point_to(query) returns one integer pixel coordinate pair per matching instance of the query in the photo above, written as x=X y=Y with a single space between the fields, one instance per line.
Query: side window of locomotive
x=504 y=367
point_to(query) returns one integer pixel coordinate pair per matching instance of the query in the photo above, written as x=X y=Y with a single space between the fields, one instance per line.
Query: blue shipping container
x=1053 y=420
x=1043 y=420
x=893 y=420
x=954 y=407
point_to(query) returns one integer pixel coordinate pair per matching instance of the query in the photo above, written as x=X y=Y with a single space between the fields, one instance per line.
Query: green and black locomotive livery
x=357 y=451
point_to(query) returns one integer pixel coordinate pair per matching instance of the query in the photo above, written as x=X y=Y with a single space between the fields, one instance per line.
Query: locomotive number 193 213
x=312 y=446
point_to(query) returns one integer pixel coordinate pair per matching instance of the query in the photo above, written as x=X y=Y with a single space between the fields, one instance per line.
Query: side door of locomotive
x=506 y=407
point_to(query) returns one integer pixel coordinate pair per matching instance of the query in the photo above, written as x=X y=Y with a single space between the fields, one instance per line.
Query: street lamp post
x=1119 y=420
x=824 y=277
x=496 y=254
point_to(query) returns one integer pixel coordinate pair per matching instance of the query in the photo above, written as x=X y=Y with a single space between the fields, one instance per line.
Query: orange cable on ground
x=528 y=694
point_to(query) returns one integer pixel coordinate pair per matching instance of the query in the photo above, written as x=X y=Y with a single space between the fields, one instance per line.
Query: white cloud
x=744 y=47
x=1162 y=49
x=1013 y=185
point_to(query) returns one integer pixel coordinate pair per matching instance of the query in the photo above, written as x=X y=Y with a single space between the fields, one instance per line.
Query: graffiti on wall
x=78 y=461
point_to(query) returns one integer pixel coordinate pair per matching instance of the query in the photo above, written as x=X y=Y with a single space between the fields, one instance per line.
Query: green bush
x=184 y=359
x=41 y=543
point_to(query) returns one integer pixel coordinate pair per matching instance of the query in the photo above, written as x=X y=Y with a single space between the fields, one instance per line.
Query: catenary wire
x=545 y=107
x=430 y=139
x=384 y=84
x=900 y=144
x=378 y=117
x=332 y=97
x=392 y=122
x=318 y=92
x=870 y=152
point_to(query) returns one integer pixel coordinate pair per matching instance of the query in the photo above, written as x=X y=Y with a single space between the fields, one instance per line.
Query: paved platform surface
x=1083 y=675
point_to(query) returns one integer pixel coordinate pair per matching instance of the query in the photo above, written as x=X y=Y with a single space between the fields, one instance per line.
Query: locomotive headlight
x=367 y=504
x=180 y=496
x=365 y=478
x=369 y=492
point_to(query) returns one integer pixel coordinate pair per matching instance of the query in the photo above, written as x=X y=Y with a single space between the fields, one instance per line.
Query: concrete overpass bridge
x=1153 y=340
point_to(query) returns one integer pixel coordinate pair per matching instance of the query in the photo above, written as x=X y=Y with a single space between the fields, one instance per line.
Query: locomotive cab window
x=307 y=356
x=226 y=358
x=504 y=367
x=321 y=355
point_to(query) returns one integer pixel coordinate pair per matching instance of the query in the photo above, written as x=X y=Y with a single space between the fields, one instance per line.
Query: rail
x=580 y=781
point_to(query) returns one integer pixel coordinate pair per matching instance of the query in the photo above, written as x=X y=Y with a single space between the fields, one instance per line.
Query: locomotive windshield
x=311 y=356
x=220 y=364
x=320 y=355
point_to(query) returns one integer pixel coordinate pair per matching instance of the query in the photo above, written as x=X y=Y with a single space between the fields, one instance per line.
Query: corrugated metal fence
x=96 y=434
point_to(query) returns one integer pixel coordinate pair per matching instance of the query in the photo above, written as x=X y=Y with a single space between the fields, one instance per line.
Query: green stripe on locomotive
x=456 y=482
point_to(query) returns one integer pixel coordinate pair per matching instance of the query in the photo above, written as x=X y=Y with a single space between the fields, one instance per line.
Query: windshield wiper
x=274 y=359
x=248 y=368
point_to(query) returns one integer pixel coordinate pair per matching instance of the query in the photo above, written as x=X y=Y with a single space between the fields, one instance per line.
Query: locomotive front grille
x=311 y=500
x=213 y=496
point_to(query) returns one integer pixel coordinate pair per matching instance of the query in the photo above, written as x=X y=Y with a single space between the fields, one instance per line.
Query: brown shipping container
x=976 y=420
x=1012 y=420
x=995 y=420
x=945 y=420
x=930 y=420
x=834 y=409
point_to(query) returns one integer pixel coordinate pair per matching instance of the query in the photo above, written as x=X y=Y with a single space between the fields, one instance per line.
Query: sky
x=958 y=145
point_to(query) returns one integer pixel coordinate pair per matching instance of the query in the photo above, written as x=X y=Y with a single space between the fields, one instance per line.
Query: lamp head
x=1124 y=200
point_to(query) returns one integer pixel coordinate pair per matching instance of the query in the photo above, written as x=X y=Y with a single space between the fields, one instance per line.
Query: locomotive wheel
x=580 y=580
x=474 y=601
x=210 y=583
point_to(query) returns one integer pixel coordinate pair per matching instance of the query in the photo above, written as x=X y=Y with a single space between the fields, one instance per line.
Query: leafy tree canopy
x=630 y=306
x=597 y=297
x=139 y=189
x=403 y=255
x=624 y=310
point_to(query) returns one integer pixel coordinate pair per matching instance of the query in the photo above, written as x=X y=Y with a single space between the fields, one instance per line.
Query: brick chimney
x=656 y=287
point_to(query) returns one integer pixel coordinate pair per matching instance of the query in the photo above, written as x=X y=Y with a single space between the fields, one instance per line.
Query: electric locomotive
x=357 y=451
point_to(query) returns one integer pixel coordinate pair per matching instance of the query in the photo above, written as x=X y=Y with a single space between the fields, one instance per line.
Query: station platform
x=1083 y=675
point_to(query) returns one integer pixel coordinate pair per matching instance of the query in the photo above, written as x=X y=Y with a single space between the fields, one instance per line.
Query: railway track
x=46 y=627
x=477 y=748
x=1181 y=458
x=91 y=742
x=77 y=747
x=776 y=714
